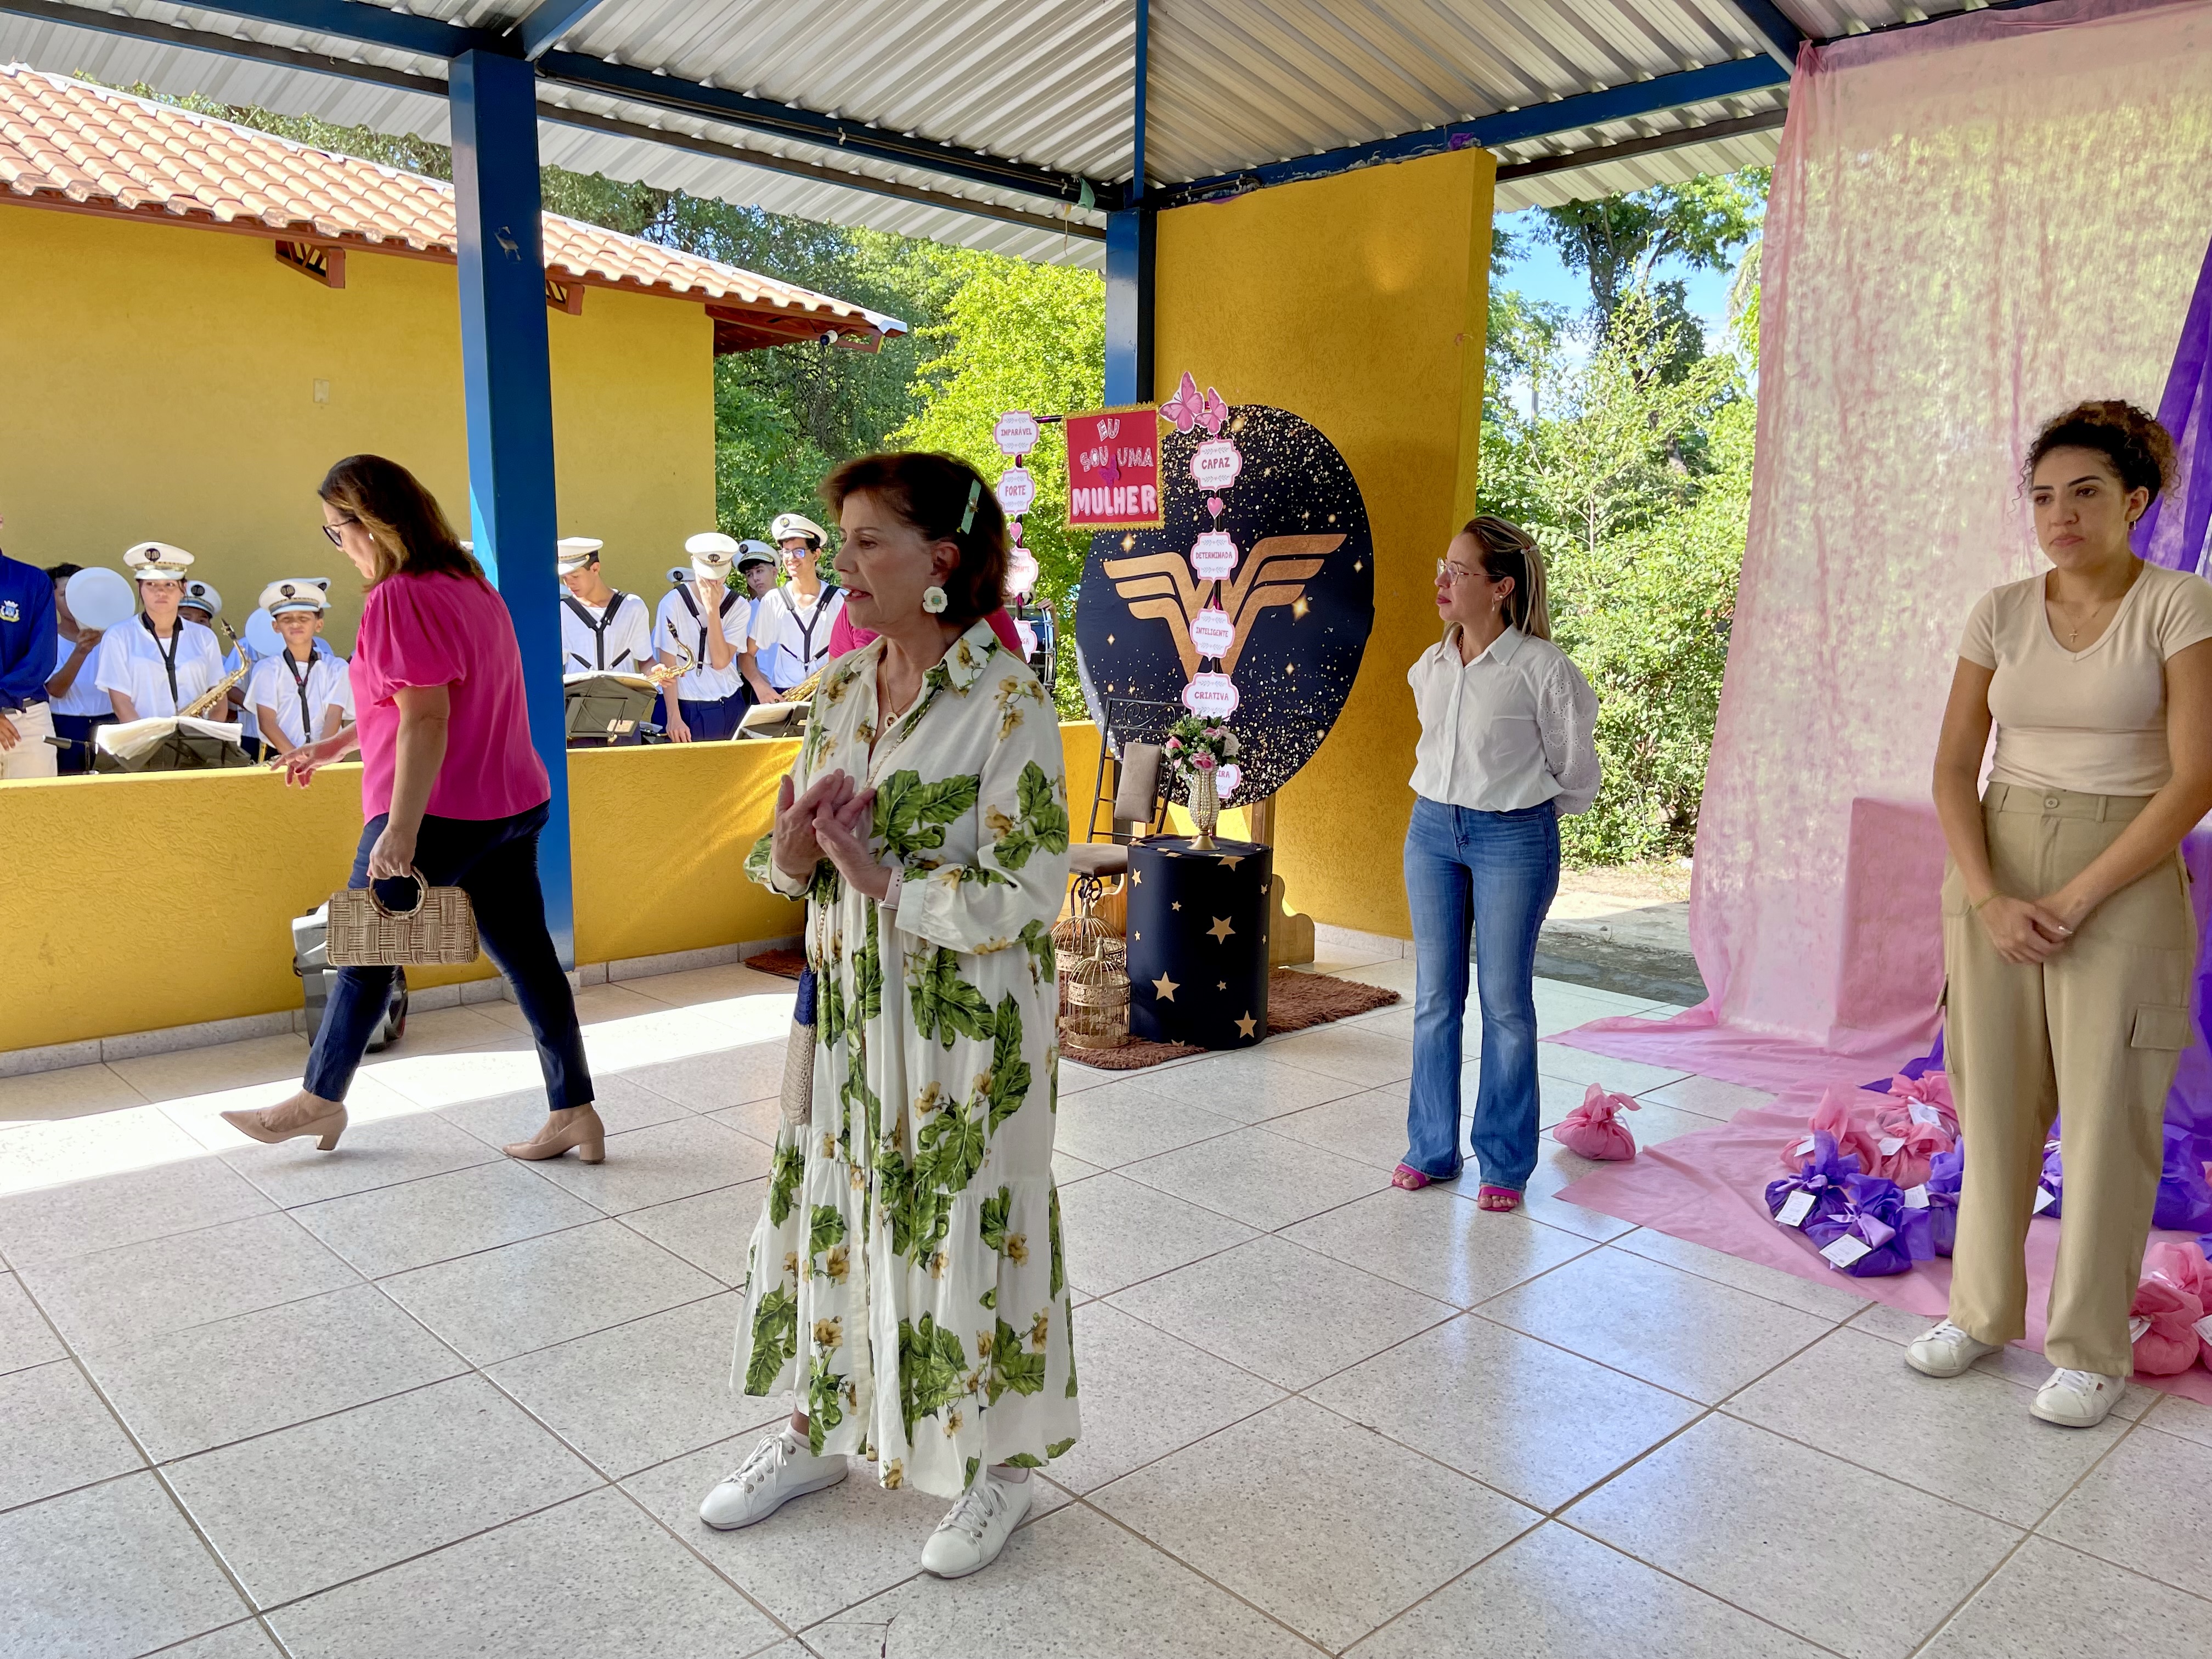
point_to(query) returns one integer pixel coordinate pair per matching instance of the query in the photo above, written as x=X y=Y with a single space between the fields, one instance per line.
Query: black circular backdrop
x=1305 y=613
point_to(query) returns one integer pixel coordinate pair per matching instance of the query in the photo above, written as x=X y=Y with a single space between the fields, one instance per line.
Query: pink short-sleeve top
x=422 y=631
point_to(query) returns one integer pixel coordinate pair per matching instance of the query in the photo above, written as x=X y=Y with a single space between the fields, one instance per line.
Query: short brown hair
x=937 y=495
x=401 y=518
x=2141 y=450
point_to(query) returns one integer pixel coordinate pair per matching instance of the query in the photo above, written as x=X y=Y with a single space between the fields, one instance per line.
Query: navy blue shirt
x=27 y=639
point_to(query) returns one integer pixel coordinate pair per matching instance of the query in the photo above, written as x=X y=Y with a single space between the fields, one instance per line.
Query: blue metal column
x=508 y=383
x=1129 y=237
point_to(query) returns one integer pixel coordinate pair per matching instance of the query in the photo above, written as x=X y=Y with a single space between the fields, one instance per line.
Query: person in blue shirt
x=26 y=658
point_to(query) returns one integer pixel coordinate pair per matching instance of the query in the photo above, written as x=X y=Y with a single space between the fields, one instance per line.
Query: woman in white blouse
x=1506 y=746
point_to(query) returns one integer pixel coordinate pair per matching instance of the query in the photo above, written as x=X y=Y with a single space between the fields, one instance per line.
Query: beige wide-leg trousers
x=2093 y=1035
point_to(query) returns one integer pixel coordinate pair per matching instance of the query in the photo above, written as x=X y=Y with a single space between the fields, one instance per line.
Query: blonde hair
x=1508 y=550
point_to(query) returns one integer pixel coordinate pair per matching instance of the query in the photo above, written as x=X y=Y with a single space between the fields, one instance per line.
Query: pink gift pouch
x=1903 y=1150
x=1839 y=1115
x=1593 y=1129
x=2184 y=1269
x=2163 y=1326
x=1925 y=1099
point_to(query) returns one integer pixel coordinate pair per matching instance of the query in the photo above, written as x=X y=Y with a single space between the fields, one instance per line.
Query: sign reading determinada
x=1114 y=469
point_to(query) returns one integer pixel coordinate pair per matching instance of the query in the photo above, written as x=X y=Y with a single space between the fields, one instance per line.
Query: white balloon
x=261 y=637
x=100 y=598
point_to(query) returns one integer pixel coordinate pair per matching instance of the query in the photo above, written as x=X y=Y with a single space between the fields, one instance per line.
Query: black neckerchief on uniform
x=605 y=620
x=822 y=598
x=169 y=657
x=299 y=685
x=729 y=598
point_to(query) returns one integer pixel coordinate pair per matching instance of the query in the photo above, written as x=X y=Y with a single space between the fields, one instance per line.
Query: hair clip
x=974 y=494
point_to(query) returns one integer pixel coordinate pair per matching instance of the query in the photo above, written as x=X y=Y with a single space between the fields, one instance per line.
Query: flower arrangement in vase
x=1197 y=745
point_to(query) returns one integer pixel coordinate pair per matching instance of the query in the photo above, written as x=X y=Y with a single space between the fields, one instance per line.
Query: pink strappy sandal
x=1407 y=1179
x=1497 y=1198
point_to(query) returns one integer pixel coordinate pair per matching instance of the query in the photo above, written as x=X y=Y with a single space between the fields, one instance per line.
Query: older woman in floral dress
x=905 y=1277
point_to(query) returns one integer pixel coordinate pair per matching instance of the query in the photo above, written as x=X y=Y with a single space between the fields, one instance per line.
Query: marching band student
x=202 y=604
x=710 y=700
x=792 y=635
x=26 y=643
x=79 y=706
x=602 y=629
x=159 y=663
x=757 y=569
x=303 y=694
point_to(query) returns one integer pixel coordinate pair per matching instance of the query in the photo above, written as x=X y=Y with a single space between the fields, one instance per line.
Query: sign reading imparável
x=1114 y=469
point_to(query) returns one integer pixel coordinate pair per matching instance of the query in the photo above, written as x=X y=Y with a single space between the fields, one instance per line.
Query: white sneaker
x=1947 y=1351
x=976 y=1528
x=781 y=1467
x=2078 y=1399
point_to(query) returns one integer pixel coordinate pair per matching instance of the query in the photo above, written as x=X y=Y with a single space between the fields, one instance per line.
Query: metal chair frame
x=1114 y=733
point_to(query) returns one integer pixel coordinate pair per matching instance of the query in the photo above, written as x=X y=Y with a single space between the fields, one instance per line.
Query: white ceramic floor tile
x=107 y=1572
x=1683 y=1332
x=1582 y=1067
x=2147 y=1507
x=1366 y=1058
x=2017 y=1365
x=591 y=1579
x=1556 y=1168
x=1709 y=1096
x=1258 y=1177
x=85 y=1148
x=449 y=1030
x=221 y=1066
x=56 y=1435
x=1075 y=1077
x=506 y=1116
x=1245 y=1086
x=1369 y=1127
x=1438 y=1243
x=1561 y=1005
x=1537 y=1423
x=1072 y=1584
x=1797 y=1537
x=595 y=1005
x=710 y=1082
x=2052 y=1602
x=26 y=1338
x=501 y=1303
x=1560 y=1595
x=72 y=1091
x=665 y=1162
x=1835 y=1301
x=54 y=1223
x=200 y=1115
x=710 y=1230
x=1118 y=1123
x=141 y=1291
x=1333 y=1556
x=1145 y=1393
x=381 y=1153
x=761 y=1118
x=473 y=1076
x=1067 y=1171
x=642 y=1392
x=392 y=1229
x=1116 y=1231
x=2172 y=1415
x=1285 y=1313
x=308 y=1507
x=191 y=1389
x=244 y=1640
x=1973 y=1440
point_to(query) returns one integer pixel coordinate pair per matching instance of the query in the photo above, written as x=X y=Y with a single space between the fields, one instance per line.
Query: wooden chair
x=1135 y=803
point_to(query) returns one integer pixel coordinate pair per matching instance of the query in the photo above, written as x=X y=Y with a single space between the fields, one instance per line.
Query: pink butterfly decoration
x=1186 y=406
x=1108 y=472
x=1213 y=414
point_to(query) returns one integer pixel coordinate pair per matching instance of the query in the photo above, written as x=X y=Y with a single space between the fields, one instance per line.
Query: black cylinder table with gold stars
x=1198 y=942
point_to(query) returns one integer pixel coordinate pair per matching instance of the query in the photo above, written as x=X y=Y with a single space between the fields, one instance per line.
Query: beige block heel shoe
x=583 y=1132
x=276 y=1124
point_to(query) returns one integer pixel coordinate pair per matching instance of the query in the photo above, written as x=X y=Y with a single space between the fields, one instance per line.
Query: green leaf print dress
x=906 y=1276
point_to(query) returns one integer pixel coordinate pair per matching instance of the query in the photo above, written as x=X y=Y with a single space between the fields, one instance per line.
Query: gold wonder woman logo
x=1163 y=585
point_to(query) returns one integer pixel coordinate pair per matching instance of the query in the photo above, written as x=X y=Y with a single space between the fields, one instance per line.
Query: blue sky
x=1539 y=274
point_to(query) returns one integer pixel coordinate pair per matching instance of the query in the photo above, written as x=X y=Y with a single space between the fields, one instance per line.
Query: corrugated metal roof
x=1233 y=84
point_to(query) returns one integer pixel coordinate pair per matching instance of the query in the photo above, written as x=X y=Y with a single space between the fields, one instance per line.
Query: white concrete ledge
x=206 y=1034
x=1345 y=944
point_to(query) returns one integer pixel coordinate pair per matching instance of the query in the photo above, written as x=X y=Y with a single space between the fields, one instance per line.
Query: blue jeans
x=1494 y=874
x=494 y=862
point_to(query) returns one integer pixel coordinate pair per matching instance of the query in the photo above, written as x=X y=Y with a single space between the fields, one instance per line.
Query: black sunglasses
x=331 y=531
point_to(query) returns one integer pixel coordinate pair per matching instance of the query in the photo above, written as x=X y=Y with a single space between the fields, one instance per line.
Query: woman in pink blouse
x=453 y=791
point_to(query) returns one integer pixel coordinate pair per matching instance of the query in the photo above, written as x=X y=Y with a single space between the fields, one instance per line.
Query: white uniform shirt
x=793 y=637
x=1512 y=729
x=628 y=634
x=275 y=685
x=705 y=683
x=84 y=696
x=132 y=661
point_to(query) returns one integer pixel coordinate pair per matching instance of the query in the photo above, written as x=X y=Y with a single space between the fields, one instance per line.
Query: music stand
x=188 y=745
x=774 y=720
x=606 y=709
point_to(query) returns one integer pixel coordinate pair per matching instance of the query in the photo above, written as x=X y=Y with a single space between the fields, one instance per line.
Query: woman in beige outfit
x=2067 y=929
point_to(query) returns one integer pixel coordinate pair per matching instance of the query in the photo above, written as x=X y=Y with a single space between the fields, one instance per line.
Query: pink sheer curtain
x=1973 y=225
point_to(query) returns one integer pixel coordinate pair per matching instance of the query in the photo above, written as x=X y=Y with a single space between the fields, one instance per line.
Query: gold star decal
x=1221 y=929
x=1358 y=564
x=1164 y=989
x=1137 y=876
x=1299 y=609
x=1177 y=905
x=1244 y=1026
x=1221 y=984
x=1140 y=938
x=1232 y=863
x=1110 y=639
x=1127 y=542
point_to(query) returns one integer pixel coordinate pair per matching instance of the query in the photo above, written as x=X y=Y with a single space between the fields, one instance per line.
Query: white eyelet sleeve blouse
x=1512 y=729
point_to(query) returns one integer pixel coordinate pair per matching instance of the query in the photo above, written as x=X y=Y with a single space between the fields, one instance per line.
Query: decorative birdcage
x=1094 y=976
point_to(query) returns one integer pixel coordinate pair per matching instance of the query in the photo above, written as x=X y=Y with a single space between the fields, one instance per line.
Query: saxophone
x=197 y=709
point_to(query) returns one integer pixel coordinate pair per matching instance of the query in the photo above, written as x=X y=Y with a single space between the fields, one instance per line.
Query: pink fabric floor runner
x=1708 y=1187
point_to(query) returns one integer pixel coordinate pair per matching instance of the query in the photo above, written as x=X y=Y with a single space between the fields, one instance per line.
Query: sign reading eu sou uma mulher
x=1114 y=469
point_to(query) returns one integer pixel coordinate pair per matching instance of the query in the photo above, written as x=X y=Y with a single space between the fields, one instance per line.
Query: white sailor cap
x=788 y=525
x=297 y=594
x=577 y=551
x=752 y=552
x=679 y=575
x=711 y=553
x=202 y=596
x=157 y=561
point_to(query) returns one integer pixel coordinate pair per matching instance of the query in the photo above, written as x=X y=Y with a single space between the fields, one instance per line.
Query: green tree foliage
x=1618 y=242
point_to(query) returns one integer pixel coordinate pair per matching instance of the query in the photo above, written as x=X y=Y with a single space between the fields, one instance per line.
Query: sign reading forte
x=1114 y=469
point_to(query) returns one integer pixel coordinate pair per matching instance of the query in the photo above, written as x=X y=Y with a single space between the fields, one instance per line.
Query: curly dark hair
x=2140 y=450
x=933 y=494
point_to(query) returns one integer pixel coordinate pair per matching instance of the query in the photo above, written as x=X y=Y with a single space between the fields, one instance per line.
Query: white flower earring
x=933 y=600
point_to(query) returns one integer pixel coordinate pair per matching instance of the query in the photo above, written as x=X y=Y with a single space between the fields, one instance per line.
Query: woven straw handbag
x=440 y=931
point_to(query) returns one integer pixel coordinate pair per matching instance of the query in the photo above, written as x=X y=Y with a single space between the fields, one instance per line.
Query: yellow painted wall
x=139 y=902
x=162 y=387
x=1358 y=302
